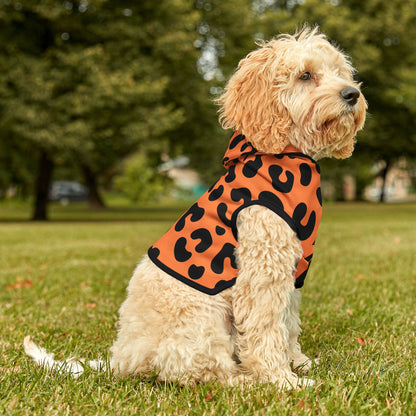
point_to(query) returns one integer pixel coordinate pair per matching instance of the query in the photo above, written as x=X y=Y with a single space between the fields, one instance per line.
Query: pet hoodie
x=199 y=248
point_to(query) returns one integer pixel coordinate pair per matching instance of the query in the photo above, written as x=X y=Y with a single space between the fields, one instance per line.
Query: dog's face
x=296 y=90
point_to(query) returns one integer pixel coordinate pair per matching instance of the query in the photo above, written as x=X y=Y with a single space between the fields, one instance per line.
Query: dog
x=217 y=297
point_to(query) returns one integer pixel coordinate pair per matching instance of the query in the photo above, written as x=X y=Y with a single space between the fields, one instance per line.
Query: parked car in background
x=68 y=191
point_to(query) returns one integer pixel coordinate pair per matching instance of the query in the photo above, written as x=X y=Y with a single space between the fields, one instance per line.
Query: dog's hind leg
x=199 y=347
x=177 y=331
x=141 y=324
x=267 y=255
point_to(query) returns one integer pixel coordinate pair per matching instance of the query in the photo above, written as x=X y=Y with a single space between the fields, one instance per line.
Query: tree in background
x=224 y=34
x=89 y=84
x=84 y=83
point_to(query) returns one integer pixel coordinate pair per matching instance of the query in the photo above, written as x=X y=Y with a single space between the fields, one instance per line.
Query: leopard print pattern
x=199 y=248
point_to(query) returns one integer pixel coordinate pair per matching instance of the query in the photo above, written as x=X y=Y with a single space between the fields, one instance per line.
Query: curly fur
x=248 y=332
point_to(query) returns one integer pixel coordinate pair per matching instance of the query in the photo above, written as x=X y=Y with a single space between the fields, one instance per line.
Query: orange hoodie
x=199 y=248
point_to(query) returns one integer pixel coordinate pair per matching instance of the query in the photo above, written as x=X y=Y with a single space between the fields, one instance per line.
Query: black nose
x=350 y=95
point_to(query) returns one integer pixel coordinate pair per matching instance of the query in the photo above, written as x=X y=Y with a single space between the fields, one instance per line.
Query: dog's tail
x=71 y=365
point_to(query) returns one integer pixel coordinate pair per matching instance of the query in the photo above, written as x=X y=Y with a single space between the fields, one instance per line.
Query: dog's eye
x=306 y=76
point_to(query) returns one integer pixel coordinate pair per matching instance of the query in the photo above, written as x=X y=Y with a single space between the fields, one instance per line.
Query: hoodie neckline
x=240 y=148
x=291 y=149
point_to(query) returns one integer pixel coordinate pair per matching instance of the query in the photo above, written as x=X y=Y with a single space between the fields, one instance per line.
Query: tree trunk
x=383 y=185
x=42 y=185
x=95 y=199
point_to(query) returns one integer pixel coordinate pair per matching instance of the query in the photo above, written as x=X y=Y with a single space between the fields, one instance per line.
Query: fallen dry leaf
x=20 y=285
x=11 y=287
x=349 y=312
x=359 y=277
x=361 y=341
x=91 y=305
x=209 y=396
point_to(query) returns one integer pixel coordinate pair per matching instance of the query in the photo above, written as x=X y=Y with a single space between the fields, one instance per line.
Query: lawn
x=62 y=282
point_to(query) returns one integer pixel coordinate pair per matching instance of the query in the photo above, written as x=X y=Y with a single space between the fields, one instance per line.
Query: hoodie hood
x=239 y=148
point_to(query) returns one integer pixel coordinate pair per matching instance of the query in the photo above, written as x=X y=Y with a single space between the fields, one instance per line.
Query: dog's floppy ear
x=251 y=104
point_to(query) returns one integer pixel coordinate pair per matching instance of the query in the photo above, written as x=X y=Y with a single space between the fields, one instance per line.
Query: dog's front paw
x=297 y=383
x=303 y=364
x=306 y=382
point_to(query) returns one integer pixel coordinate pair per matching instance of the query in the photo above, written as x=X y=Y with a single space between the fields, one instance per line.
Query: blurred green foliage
x=84 y=84
x=139 y=181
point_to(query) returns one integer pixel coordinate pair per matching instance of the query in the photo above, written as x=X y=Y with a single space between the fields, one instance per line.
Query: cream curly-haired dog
x=199 y=308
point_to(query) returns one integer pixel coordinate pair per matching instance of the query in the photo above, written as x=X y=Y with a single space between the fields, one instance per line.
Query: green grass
x=63 y=281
